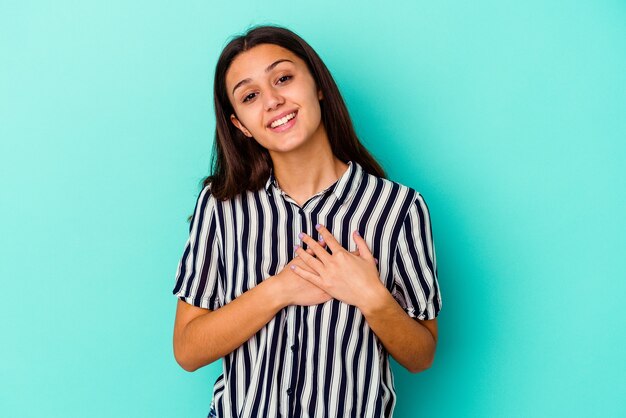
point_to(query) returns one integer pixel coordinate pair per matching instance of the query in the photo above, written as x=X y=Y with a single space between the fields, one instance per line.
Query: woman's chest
x=256 y=248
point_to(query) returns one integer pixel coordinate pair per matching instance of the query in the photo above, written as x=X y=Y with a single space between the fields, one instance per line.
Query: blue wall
x=509 y=117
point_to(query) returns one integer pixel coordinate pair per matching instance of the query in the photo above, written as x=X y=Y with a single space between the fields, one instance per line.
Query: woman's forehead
x=258 y=61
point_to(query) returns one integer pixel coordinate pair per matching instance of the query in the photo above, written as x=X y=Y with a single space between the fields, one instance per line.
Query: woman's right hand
x=298 y=291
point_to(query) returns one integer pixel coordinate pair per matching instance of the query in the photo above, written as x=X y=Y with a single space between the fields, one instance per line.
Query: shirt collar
x=343 y=188
x=271 y=182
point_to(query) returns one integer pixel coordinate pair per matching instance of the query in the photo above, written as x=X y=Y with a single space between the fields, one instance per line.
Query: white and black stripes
x=315 y=361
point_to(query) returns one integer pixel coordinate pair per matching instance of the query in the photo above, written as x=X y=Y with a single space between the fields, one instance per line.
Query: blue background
x=509 y=117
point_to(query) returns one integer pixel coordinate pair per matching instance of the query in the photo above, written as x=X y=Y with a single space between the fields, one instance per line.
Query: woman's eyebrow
x=267 y=70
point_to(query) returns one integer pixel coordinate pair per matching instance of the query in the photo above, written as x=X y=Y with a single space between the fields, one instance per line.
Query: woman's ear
x=240 y=126
x=320 y=95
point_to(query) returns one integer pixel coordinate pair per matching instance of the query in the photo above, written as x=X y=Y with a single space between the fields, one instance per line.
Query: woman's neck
x=303 y=176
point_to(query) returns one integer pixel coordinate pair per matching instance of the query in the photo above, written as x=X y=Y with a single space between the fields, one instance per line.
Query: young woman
x=304 y=267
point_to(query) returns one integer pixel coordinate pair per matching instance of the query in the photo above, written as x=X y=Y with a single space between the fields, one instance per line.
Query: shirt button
x=289 y=391
x=294 y=345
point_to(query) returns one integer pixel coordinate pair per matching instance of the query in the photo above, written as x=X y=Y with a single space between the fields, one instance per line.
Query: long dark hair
x=241 y=164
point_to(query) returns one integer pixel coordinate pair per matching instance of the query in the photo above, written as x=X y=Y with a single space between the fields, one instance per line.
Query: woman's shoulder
x=391 y=186
x=206 y=193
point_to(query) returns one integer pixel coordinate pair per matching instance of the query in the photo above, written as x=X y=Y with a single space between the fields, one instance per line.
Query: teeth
x=283 y=120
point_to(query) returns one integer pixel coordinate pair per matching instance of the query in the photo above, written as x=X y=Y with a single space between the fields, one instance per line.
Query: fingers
x=321 y=243
x=311 y=260
x=318 y=247
x=306 y=275
x=328 y=238
x=310 y=252
x=298 y=261
x=362 y=246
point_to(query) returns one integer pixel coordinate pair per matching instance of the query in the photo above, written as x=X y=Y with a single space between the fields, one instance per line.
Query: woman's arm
x=354 y=279
x=202 y=336
x=411 y=342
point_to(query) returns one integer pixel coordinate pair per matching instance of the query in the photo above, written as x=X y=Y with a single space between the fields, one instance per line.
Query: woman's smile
x=283 y=123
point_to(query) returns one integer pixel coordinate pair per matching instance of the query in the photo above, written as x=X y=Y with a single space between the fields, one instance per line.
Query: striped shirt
x=309 y=361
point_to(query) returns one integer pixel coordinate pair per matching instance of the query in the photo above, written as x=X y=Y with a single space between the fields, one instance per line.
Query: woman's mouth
x=284 y=123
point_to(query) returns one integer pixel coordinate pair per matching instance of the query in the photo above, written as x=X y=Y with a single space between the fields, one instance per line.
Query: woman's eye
x=284 y=78
x=248 y=97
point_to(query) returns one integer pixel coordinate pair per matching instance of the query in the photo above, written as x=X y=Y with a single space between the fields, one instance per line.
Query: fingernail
x=357 y=233
x=300 y=235
x=292 y=267
x=318 y=226
x=376 y=260
x=321 y=239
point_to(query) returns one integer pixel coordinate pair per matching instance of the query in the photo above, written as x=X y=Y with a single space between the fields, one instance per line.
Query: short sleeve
x=416 y=287
x=197 y=277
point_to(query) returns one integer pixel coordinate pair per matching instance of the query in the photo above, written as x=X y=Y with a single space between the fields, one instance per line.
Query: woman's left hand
x=348 y=277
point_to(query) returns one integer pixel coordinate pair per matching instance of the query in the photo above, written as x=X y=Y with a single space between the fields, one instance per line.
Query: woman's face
x=275 y=99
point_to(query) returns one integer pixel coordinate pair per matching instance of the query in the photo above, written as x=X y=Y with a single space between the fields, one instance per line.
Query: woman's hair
x=241 y=164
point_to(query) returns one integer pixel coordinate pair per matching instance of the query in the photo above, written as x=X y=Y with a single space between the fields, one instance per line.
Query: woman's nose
x=272 y=99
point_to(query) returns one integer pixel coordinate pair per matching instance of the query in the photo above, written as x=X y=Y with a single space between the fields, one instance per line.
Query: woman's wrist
x=375 y=301
x=276 y=292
